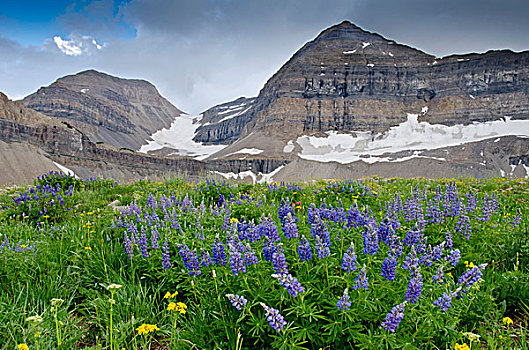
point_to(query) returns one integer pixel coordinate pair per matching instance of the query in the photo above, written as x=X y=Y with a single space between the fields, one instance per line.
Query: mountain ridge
x=338 y=98
x=120 y=112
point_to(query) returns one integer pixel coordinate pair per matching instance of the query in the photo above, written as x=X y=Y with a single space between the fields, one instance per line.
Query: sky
x=200 y=53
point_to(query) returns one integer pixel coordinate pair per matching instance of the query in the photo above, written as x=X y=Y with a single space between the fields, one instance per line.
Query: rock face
x=223 y=123
x=120 y=112
x=30 y=142
x=349 y=79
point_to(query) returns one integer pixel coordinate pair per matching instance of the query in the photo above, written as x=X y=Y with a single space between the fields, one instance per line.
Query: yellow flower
x=23 y=346
x=450 y=274
x=147 y=328
x=181 y=307
x=169 y=295
x=463 y=346
x=171 y=306
x=507 y=320
x=88 y=248
x=142 y=329
x=152 y=327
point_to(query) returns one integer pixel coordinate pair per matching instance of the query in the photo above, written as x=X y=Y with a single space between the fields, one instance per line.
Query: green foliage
x=75 y=250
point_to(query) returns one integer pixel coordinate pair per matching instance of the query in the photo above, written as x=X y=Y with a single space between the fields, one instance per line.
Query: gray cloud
x=203 y=52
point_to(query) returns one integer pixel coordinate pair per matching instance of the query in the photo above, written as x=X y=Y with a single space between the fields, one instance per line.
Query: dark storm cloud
x=199 y=53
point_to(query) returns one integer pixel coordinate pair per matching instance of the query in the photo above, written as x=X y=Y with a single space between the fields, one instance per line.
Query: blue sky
x=204 y=52
x=32 y=22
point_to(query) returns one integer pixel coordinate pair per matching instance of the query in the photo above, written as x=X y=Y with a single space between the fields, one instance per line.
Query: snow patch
x=179 y=137
x=498 y=139
x=248 y=151
x=65 y=170
x=502 y=172
x=364 y=45
x=410 y=135
x=472 y=97
x=424 y=110
x=233 y=115
x=350 y=52
x=84 y=91
x=371 y=65
x=259 y=178
x=389 y=53
x=289 y=147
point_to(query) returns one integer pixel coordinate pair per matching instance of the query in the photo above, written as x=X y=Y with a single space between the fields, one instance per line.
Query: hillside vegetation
x=371 y=264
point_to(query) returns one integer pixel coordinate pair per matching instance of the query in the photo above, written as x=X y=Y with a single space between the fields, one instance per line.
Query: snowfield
x=179 y=137
x=409 y=136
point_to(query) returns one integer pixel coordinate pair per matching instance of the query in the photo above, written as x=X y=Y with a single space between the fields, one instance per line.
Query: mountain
x=32 y=144
x=120 y=112
x=353 y=97
x=348 y=104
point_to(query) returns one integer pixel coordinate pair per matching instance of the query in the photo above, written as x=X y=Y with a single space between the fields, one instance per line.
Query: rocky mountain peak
x=120 y=112
x=348 y=31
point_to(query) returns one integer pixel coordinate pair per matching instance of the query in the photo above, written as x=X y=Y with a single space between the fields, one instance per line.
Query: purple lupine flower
x=394 y=317
x=279 y=261
x=349 y=258
x=304 y=250
x=319 y=229
x=290 y=283
x=273 y=317
x=517 y=219
x=322 y=250
x=414 y=287
x=236 y=261
x=395 y=244
x=269 y=248
x=370 y=240
x=361 y=279
x=449 y=240
x=250 y=258
x=166 y=262
x=470 y=277
x=205 y=258
x=411 y=261
x=444 y=302
x=190 y=259
x=290 y=229
x=354 y=217
x=144 y=243
x=426 y=257
x=463 y=226
x=454 y=256
x=127 y=243
x=154 y=238
x=269 y=229
x=389 y=267
x=238 y=301
x=344 y=303
x=439 y=276
x=218 y=252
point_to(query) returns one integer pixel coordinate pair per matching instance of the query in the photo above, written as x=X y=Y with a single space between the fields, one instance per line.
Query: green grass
x=74 y=251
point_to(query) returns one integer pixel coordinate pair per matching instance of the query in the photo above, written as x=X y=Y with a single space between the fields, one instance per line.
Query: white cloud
x=77 y=45
x=68 y=47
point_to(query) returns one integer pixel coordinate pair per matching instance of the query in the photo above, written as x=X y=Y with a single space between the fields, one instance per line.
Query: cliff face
x=120 y=112
x=30 y=141
x=222 y=124
x=349 y=79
